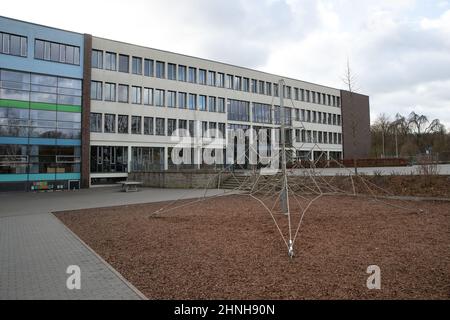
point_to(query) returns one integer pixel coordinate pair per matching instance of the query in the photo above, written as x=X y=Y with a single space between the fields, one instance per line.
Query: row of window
x=13 y=44
x=43 y=50
x=156 y=97
x=56 y=52
x=111 y=123
x=311 y=136
x=23 y=159
x=152 y=68
x=26 y=86
x=318 y=117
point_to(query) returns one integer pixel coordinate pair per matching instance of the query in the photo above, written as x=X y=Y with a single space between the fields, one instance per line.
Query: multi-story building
x=41 y=72
x=127 y=100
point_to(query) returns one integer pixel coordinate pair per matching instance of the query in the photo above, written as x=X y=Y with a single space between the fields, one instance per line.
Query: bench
x=130 y=185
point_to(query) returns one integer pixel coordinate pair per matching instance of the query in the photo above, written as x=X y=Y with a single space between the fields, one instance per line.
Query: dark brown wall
x=355 y=125
x=86 y=112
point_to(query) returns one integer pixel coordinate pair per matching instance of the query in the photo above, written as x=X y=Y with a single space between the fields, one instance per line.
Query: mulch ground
x=229 y=248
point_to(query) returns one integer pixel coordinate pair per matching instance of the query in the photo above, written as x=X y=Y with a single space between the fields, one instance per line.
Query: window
x=148 y=96
x=307 y=96
x=238 y=110
x=192 y=75
x=302 y=94
x=262 y=113
x=136 y=65
x=110 y=123
x=212 y=129
x=15 y=45
x=221 y=130
x=288 y=92
x=136 y=125
x=211 y=78
x=122 y=125
x=204 y=128
x=148 y=125
x=96 y=90
x=201 y=76
x=212 y=104
x=191 y=128
x=160 y=69
x=96 y=122
x=275 y=90
x=109 y=159
x=221 y=105
x=229 y=81
x=159 y=98
x=287 y=115
x=220 y=80
x=123 y=93
x=56 y=52
x=182 y=128
x=338 y=120
x=182 y=96
x=182 y=73
x=124 y=63
x=171 y=127
x=313 y=95
x=254 y=86
x=237 y=83
x=171 y=99
x=136 y=95
x=97 y=59
x=110 y=92
x=246 y=84
x=110 y=61
x=202 y=103
x=192 y=101
x=268 y=88
x=160 y=127
x=148 y=67
x=171 y=71
x=261 y=87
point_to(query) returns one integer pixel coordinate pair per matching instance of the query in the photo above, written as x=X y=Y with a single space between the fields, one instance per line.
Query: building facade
x=41 y=72
x=129 y=100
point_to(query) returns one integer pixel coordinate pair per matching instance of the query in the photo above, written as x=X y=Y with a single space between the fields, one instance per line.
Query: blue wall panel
x=33 y=31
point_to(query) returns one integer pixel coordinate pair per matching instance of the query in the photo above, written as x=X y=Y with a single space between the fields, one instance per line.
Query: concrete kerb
x=111 y=268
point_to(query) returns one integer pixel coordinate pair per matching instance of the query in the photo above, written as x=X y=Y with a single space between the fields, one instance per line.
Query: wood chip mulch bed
x=229 y=248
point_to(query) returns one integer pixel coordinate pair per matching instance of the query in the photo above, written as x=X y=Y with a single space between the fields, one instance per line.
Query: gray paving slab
x=18 y=203
x=36 y=248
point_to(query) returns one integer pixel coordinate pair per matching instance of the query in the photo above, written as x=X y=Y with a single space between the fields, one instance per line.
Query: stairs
x=236 y=181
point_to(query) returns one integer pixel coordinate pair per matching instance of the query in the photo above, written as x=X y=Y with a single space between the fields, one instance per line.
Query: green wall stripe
x=14 y=104
x=68 y=108
x=42 y=106
x=38 y=106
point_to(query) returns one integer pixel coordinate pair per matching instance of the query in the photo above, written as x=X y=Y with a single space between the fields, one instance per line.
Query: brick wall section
x=85 y=113
x=355 y=125
x=167 y=179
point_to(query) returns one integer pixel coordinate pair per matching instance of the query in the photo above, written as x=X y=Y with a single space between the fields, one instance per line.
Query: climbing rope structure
x=290 y=193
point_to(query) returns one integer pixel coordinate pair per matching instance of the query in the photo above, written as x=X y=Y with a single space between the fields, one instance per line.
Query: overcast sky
x=398 y=49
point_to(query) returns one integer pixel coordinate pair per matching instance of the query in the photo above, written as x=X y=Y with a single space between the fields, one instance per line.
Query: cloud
x=398 y=49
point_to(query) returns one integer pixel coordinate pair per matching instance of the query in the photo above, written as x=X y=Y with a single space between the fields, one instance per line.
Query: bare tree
x=350 y=81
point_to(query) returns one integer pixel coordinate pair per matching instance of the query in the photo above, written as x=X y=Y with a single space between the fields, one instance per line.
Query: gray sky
x=398 y=49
